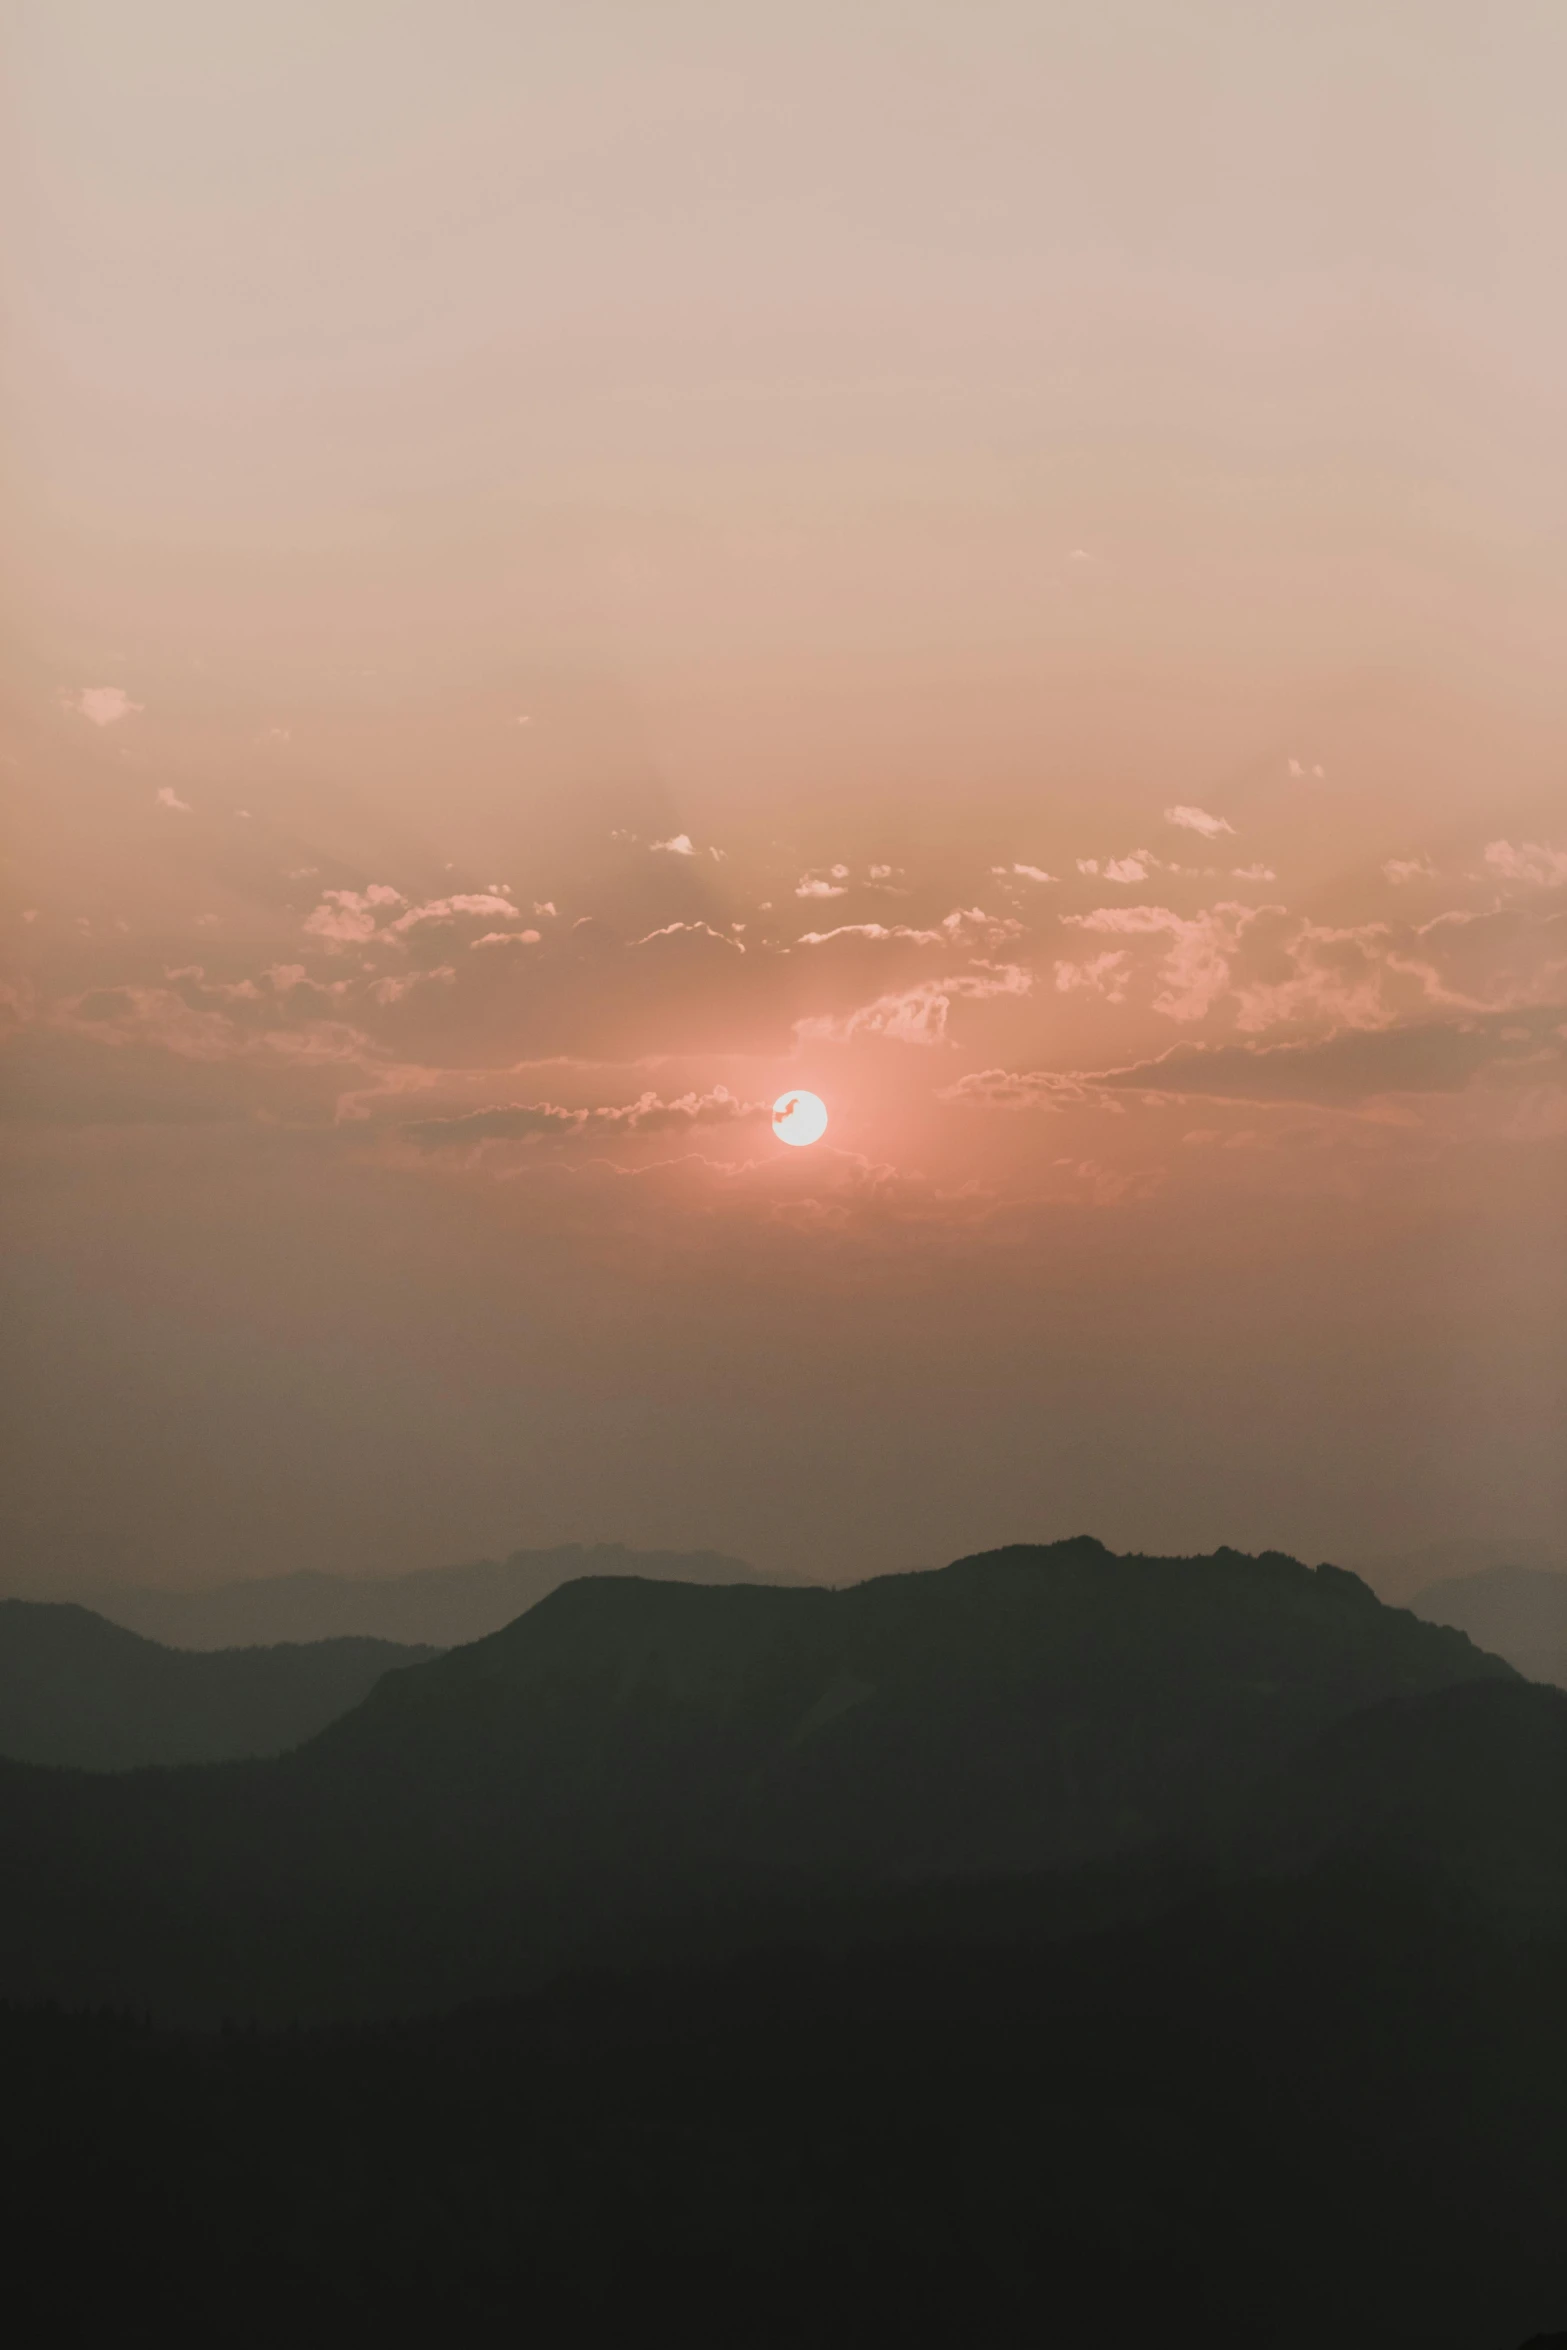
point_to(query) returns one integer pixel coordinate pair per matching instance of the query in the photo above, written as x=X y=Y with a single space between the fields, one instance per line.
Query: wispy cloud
x=1530 y=861
x=919 y=1014
x=1354 y=1064
x=648 y=1114
x=1195 y=968
x=348 y=917
x=1105 y=975
x=487 y=904
x=1030 y=1089
x=878 y=931
x=700 y=929
x=102 y=705
x=1197 y=820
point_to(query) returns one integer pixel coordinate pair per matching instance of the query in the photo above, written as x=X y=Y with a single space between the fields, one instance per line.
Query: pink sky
x=578 y=567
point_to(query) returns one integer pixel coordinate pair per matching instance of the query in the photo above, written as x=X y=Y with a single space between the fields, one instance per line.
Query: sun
x=799 y=1118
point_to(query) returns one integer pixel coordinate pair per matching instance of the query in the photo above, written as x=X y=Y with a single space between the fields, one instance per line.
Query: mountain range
x=1060 y=1946
x=632 y=1759
x=77 y=1690
x=437 y=1607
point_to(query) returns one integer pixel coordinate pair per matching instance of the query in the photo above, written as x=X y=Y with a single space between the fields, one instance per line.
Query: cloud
x=168 y=797
x=874 y=930
x=347 y=917
x=1270 y=966
x=392 y=991
x=648 y=1114
x=102 y=705
x=1142 y=863
x=816 y=886
x=1104 y=975
x=994 y=926
x=1402 y=869
x=702 y=929
x=1033 y=873
x=919 y=1014
x=1197 y=820
x=1353 y=1064
x=505 y=938
x=1033 y=1089
x=1253 y=873
x=677 y=846
x=1195 y=967
x=215 y=1022
x=483 y=902
x=1530 y=861
x=1313 y=972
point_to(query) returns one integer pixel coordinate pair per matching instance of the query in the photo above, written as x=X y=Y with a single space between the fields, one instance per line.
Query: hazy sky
x=575 y=566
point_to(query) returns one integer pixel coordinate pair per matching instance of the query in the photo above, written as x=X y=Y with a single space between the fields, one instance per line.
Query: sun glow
x=799 y=1118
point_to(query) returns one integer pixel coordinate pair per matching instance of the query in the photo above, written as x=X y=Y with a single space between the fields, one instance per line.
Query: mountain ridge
x=440 y=1607
x=80 y=1692
x=1518 y=1612
x=631 y=1752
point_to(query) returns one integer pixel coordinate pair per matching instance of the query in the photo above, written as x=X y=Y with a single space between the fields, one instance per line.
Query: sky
x=575 y=567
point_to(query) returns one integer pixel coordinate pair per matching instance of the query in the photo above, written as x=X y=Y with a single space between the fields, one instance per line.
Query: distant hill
x=1516 y=1612
x=632 y=1751
x=1397 y=1576
x=440 y=1607
x=77 y=1690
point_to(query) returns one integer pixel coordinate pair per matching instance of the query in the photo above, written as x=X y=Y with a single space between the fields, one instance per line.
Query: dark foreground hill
x=1517 y=1612
x=76 y=1690
x=633 y=1761
x=438 y=1607
x=1275 y=2118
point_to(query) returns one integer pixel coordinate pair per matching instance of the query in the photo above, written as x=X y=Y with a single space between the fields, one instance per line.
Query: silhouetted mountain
x=631 y=1754
x=1516 y=1612
x=77 y=1690
x=1057 y=1946
x=1461 y=1792
x=438 y=1607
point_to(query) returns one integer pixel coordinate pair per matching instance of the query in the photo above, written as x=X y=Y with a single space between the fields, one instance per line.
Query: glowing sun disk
x=799 y=1118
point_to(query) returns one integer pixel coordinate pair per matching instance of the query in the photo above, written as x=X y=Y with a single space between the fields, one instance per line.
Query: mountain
x=633 y=1758
x=1460 y=1793
x=1397 y=1576
x=439 y=1607
x=1138 y=1949
x=77 y=1690
x=1516 y=1612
